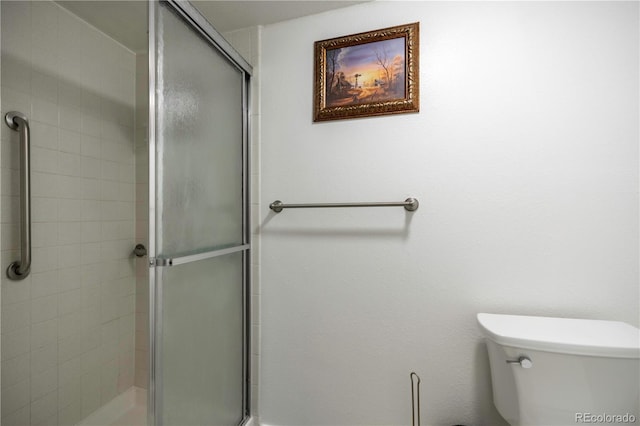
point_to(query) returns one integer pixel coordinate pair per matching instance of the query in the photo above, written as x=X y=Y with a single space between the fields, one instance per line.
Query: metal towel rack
x=410 y=204
x=19 y=270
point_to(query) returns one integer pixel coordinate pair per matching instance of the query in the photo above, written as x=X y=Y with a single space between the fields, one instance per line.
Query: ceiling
x=126 y=21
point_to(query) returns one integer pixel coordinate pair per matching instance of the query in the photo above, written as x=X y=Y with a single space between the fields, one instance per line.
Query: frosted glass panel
x=199 y=374
x=199 y=142
x=202 y=342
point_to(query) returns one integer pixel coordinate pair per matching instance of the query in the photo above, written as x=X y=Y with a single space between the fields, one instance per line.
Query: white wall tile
x=70 y=164
x=44 y=259
x=43 y=382
x=10 y=209
x=44 y=410
x=126 y=329
x=16 y=343
x=90 y=124
x=15 y=370
x=110 y=191
x=90 y=392
x=91 y=189
x=111 y=170
x=69 y=255
x=44 y=160
x=69 y=279
x=91 y=275
x=44 y=86
x=91 y=168
x=20 y=417
x=109 y=381
x=16 y=71
x=69 y=392
x=44 y=111
x=69 y=403
x=10 y=154
x=16 y=18
x=44 y=185
x=44 y=209
x=126 y=192
x=69 y=370
x=70 y=302
x=69 y=325
x=44 y=283
x=109 y=353
x=16 y=316
x=69 y=96
x=69 y=233
x=91 y=214
x=91 y=360
x=69 y=348
x=127 y=173
x=44 y=135
x=15 y=397
x=70 y=141
x=70 y=118
x=44 y=21
x=44 y=333
x=90 y=146
x=91 y=310
x=44 y=234
x=9 y=236
x=44 y=309
x=91 y=231
x=90 y=337
x=70 y=210
x=91 y=253
x=70 y=187
x=10 y=182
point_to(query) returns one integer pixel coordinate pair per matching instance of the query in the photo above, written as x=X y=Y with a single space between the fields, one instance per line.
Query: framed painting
x=367 y=74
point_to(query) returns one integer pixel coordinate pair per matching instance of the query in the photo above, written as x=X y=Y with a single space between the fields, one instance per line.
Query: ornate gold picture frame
x=367 y=74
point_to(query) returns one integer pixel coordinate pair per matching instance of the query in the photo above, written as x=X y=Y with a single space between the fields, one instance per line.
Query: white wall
x=68 y=328
x=524 y=157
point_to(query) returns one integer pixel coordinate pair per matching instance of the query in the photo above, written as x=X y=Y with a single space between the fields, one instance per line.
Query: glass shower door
x=198 y=221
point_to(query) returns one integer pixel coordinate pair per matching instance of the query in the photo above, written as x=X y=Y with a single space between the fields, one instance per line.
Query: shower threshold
x=127 y=409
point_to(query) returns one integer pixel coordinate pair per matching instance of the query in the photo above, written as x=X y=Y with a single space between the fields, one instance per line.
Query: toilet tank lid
x=564 y=335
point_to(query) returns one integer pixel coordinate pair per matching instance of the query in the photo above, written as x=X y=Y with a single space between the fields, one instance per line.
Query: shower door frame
x=193 y=19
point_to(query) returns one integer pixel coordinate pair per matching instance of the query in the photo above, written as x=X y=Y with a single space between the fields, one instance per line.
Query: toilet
x=561 y=371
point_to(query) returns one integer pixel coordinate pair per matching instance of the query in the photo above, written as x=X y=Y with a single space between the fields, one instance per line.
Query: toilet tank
x=580 y=371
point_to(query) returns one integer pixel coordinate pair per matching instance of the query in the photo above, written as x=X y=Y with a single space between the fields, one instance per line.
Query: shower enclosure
x=131 y=142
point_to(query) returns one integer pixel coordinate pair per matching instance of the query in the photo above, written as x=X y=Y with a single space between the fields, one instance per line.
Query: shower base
x=127 y=409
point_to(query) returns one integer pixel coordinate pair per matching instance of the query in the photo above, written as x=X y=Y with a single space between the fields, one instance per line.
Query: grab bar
x=19 y=270
x=410 y=204
x=415 y=399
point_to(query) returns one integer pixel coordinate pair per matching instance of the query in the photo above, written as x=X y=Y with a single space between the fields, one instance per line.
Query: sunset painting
x=364 y=73
x=367 y=74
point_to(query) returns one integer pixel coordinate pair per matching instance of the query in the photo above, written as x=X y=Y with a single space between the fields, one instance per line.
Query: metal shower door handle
x=19 y=270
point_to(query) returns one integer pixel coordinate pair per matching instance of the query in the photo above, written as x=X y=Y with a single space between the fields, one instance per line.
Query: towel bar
x=410 y=204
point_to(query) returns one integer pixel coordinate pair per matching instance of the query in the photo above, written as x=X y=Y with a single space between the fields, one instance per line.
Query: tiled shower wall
x=67 y=329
